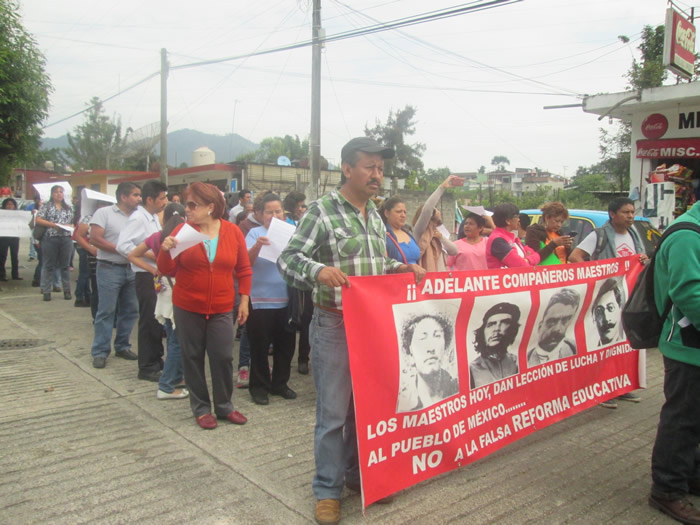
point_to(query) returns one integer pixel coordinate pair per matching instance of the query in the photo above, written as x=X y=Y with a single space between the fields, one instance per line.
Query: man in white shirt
x=115 y=280
x=141 y=225
x=244 y=197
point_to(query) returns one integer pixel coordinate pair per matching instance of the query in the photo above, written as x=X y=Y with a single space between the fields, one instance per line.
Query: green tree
x=649 y=71
x=398 y=126
x=271 y=148
x=24 y=90
x=499 y=162
x=96 y=143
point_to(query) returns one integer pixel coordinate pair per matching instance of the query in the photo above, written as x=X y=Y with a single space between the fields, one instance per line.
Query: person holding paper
x=56 y=245
x=11 y=243
x=431 y=242
x=203 y=301
x=268 y=318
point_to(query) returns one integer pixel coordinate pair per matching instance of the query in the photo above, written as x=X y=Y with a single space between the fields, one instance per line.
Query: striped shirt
x=333 y=232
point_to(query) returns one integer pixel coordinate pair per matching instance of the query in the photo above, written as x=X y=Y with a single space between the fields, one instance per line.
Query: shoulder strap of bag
x=403 y=255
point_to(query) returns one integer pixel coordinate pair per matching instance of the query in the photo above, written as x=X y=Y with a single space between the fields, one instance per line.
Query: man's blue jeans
x=173 y=368
x=335 y=437
x=115 y=285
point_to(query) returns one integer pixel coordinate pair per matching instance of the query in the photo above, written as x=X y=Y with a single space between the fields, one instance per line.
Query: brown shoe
x=327 y=511
x=679 y=509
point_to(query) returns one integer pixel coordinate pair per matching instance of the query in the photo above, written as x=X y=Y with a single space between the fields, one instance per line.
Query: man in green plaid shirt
x=341 y=234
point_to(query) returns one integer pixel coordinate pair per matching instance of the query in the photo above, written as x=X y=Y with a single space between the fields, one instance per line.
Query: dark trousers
x=675 y=458
x=265 y=327
x=306 y=315
x=150 y=331
x=82 y=288
x=11 y=243
x=95 y=297
x=213 y=338
x=37 y=270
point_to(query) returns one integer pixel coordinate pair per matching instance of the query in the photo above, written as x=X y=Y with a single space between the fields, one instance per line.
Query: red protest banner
x=452 y=369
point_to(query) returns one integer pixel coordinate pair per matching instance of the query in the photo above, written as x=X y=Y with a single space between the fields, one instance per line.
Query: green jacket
x=677 y=275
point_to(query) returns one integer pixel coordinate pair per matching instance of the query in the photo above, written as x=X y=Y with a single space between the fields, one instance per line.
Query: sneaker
x=631 y=397
x=175 y=394
x=610 y=403
x=243 y=377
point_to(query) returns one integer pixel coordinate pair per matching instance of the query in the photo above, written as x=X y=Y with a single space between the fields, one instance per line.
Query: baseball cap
x=365 y=145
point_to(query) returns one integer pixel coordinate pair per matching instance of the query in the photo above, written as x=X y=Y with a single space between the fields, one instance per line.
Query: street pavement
x=82 y=445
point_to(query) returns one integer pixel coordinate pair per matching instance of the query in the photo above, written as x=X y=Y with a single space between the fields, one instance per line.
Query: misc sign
x=679 y=44
x=668 y=149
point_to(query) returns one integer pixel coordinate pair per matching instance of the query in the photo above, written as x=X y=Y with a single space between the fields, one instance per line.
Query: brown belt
x=329 y=309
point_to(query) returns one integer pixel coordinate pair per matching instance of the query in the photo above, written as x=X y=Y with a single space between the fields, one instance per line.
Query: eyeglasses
x=191 y=205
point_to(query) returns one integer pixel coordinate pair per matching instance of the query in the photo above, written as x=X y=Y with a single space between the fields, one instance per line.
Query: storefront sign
x=459 y=366
x=655 y=126
x=679 y=44
x=668 y=149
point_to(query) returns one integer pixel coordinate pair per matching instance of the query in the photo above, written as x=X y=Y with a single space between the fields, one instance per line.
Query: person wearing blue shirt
x=268 y=316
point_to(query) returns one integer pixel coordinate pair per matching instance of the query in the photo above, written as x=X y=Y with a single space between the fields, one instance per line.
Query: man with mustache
x=607 y=308
x=558 y=316
x=425 y=340
x=491 y=340
x=340 y=235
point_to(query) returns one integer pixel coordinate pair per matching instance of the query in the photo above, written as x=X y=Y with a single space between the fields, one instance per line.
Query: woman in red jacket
x=203 y=301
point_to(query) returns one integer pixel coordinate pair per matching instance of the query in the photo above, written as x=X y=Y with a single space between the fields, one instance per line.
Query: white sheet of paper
x=186 y=238
x=66 y=227
x=479 y=210
x=89 y=200
x=443 y=231
x=44 y=189
x=279 y=234
x=15 y=223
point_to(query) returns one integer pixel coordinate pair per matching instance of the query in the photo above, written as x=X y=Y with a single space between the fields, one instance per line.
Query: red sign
x=668 y=149
x=655 y=126
x=453 y=369
x=679 y=44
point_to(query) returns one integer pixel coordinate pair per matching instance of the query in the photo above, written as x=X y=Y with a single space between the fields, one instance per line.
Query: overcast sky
x=479 y=81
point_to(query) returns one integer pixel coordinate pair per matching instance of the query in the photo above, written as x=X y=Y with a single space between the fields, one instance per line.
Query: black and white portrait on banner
x=495 y=326
x=553 y=333
x=427 y=355
x=604 y=319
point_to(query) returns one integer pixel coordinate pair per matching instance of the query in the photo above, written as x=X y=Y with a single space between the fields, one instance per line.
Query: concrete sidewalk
x=84 y=445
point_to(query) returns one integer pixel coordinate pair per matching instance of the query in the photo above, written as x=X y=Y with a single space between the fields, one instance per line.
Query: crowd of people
x=206 y=296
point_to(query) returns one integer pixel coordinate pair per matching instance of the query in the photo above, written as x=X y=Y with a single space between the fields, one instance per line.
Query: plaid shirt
x=334 y=233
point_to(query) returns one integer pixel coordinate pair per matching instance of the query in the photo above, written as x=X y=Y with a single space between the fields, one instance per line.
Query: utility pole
x=164 y=116
x=315 y=140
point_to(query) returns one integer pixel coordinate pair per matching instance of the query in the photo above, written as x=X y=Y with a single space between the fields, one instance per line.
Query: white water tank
x=203 y=156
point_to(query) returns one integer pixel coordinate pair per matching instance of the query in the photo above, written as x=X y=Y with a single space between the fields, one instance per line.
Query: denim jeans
x=116 y=286
x=675 y=458
x=55 y=252
x=82 y=289
x=244 y=348
x=172 y=369
x=335 y=436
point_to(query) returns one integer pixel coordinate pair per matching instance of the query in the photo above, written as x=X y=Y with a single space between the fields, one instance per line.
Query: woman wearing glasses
x=203 y=301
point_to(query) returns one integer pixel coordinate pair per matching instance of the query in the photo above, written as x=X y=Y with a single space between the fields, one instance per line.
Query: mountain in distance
x=182 y=143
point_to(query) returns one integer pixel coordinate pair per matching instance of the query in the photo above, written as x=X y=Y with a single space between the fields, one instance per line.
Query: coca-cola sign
x=654 y=126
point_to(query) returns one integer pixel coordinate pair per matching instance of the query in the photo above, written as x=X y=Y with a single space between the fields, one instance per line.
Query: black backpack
x=640 y=318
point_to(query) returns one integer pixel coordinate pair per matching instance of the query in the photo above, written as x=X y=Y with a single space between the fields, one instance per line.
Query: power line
x=429 y=16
